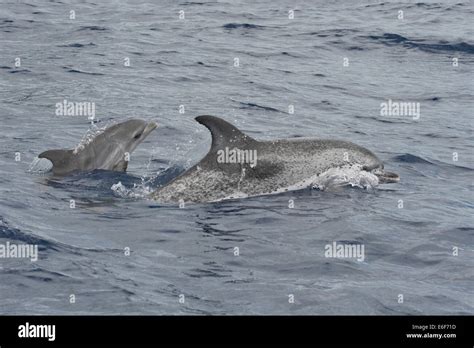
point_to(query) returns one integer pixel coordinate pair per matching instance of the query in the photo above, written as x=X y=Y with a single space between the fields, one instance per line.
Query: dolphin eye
x=137 y=136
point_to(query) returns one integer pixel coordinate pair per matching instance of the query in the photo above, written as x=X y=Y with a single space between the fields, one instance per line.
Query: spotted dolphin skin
x=108 y=150
x=240 y=166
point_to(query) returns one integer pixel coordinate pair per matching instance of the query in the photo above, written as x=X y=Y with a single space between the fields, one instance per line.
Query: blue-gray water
x=282 y=62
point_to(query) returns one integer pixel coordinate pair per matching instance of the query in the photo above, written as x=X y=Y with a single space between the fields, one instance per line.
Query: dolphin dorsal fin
x=58 y=157
x=223 y=133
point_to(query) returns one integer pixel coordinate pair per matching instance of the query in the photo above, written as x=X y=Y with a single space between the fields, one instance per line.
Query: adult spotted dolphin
x=108 y=150
x=239 y=166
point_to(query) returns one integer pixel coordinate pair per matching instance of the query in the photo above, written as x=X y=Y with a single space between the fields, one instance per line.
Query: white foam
x=137 y=191
x=90 y=135
x=40 y=166
x=346 y=176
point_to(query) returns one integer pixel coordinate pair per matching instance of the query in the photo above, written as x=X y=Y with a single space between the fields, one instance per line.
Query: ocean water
x=334 y=63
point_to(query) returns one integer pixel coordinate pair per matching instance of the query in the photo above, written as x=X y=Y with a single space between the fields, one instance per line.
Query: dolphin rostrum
x=109 y=150
x=240 y=166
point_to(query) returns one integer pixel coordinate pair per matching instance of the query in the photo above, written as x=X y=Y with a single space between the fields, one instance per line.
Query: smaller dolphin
x=108 y=150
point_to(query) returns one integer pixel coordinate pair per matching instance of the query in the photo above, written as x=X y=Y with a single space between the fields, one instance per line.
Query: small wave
x=14 y=234
x=256 y=106
x=93 y=28
x=440 y=136
x=425 y=5
x=205 y=273
x=231 y=26
x=284 y=53
x=390 y=39
x=8 y=24
x=190 y=3
x=384 y=120
x=19 y=71
x=334 y=32
x=409 y=158
x=206 y=65
x=77 y=45
x=418 y=4
x=356 y=48
x=82 y=72
x=15 y=71
x=335 y=87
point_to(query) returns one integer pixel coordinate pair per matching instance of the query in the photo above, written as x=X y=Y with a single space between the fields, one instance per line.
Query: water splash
x=40 y=166
x=352 y=176
x=90 y=135
x=138 y=191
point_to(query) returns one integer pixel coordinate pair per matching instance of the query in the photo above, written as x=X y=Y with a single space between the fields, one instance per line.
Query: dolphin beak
x=387 y=177
x=150 y=127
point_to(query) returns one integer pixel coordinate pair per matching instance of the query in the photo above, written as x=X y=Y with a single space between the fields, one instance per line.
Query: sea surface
x=322 y=71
